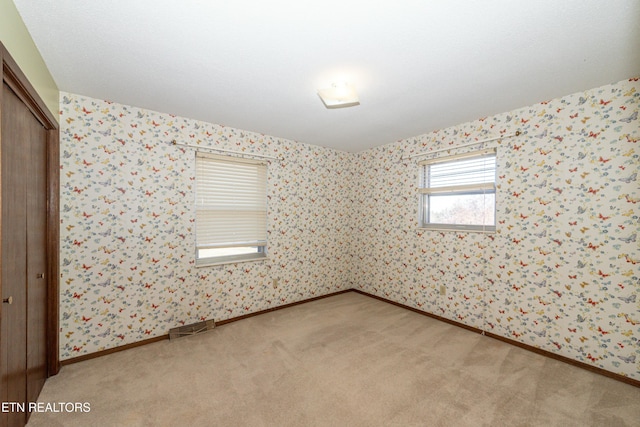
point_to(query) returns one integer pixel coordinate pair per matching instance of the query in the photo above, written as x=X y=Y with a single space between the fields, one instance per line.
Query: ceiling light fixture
x=339 y=95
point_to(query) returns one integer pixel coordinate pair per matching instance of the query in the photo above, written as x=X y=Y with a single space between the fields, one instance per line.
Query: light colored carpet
x=347 y=360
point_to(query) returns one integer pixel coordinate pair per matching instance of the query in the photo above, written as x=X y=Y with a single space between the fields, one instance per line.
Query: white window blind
x=458 y=192
x=231 y=208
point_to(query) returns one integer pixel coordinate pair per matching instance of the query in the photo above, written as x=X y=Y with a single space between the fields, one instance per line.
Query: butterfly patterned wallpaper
x=562 y=271
x=127 y=226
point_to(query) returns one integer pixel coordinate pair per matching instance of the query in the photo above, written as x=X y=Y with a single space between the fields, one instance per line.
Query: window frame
x=426 y=192
x=260 y=244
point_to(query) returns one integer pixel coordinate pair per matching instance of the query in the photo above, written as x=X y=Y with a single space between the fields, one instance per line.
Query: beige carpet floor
x=346 y=360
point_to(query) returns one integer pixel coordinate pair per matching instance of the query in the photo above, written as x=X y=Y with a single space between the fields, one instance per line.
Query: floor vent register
x=192 y=329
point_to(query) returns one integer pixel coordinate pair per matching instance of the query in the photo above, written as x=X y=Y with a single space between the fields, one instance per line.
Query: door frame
x=18 y=82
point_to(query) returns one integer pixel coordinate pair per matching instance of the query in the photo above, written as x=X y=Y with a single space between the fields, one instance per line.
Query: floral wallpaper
x=127 y=226
x=562 y=271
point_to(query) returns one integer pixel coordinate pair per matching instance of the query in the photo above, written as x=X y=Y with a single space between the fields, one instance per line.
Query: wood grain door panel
x=36 y=202
x=15 y=159
x=29 y=239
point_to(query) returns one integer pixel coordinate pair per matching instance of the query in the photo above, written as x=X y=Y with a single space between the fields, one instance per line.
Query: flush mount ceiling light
x=339 y=95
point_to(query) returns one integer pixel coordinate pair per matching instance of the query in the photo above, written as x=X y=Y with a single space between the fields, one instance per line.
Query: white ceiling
x=256 y=65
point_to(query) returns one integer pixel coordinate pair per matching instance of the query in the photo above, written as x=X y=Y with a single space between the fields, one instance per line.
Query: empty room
x=320 y=213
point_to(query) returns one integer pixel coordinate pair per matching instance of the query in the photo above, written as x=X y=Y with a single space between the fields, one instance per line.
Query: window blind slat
x=231 y=202
x=455 y=189
x=480 y=153
x=461 y=172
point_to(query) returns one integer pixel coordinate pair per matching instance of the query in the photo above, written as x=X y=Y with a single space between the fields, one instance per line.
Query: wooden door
x=35 y=177
x=15 y=159
x=29 y=221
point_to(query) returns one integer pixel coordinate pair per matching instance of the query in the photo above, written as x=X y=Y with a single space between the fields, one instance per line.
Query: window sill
x=238 y=261
x=459 y=230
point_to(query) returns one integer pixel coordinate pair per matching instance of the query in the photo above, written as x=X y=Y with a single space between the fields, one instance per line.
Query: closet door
x=36 y=209
x=29 y=239
x=15 y=160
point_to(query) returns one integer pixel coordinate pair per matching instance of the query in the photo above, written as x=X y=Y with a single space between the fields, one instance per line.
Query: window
x=231 y=209
x=459 y=192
